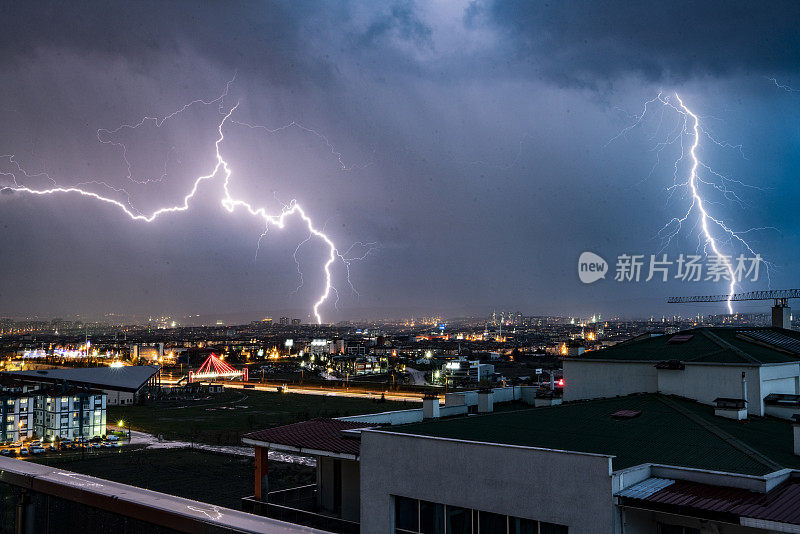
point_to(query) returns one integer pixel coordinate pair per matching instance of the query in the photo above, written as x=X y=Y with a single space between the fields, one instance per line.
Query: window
x=412 y=516
x=550 y=528
x=517 y=525
x=431 y=517
x=459 y=520
x=489 y=522
x=663 y=528
x=406 y=514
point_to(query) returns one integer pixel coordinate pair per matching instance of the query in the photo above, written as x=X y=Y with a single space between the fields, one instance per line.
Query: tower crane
x=781 y=312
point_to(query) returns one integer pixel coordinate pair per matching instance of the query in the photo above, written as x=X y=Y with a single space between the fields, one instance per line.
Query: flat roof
x=129 y=378
x=669 y=430
x=747 y=346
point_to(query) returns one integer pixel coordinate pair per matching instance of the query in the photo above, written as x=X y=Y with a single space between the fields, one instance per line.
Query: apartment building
x=65 y=411
x=69 y=412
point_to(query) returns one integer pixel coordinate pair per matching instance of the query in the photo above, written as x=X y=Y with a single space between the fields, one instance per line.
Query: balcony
x=299 y=506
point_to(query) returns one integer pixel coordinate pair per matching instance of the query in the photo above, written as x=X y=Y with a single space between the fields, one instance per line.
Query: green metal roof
x=706 y=345
x=669 y=431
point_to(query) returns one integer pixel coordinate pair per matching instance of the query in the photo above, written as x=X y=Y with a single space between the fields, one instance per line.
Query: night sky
x=478 y=143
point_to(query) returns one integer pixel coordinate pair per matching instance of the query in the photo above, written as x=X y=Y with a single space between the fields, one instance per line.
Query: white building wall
x=704 y=383
x=779 y=379
x=589 y=379
x=536 y=484
x=119 y=398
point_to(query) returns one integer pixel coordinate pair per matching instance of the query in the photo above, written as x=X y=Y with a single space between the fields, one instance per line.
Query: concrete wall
x=594 y=379
x=351 y=482
x=780 y=379
x=523 y=482
x=704 y=383
x=397 y=417
x=449 y=411
x=117 y=398
x=351 y=490
x=325 y=483
x=507 y=394
x=528 y=394
x=470 y=398
x=781 y=412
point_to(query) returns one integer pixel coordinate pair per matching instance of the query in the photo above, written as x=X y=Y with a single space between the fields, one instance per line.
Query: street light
x=121 y=424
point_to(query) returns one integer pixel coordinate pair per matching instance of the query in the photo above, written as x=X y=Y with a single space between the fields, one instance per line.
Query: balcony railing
x=299 y=506
x=303 y=497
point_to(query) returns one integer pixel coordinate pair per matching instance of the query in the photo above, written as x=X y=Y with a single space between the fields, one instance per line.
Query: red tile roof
x=319 y=434
x=782 y=504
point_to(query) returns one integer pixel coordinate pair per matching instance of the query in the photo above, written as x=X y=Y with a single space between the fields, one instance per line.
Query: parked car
x=37 y=450
x=23 y=451
x=5 y=452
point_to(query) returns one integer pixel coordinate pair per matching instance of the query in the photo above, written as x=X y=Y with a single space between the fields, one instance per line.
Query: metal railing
x=300 y=513
x=303 y=497
x=49 y=500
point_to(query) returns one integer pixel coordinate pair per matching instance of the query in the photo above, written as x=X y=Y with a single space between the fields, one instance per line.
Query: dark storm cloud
x=402 y=21
x=247 y=35
x=590 y=41
x=473 y=154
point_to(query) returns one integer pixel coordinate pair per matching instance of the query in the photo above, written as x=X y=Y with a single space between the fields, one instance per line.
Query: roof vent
x=680 y=338
x=626 y=414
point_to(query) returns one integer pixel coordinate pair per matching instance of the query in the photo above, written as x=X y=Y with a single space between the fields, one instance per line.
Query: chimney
x=781 y=314
x=430 y=406
x=744 y=387
x=485 y=400
x=796 y=432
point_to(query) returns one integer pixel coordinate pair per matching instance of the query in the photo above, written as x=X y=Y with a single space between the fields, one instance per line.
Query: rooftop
x=781 y=505
x=749 y=346
x=669 y=430
x=316 y=435
x=129 y=378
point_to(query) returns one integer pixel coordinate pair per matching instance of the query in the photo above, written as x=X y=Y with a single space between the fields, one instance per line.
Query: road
x=326 y=392
x=152 y=442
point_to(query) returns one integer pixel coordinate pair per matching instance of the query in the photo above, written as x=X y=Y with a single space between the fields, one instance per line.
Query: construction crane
x=781 y=312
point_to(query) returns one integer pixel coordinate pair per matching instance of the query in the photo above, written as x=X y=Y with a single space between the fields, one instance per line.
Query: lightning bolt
x=229 y=202
x=786 y=88
x=690 y=127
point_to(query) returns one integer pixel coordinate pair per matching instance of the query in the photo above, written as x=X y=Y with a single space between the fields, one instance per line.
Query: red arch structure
x=214 y=368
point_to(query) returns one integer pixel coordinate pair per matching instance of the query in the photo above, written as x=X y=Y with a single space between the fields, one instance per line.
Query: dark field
x=222 y=419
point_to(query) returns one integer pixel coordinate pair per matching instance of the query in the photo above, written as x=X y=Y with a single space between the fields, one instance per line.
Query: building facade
x=69 y=413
